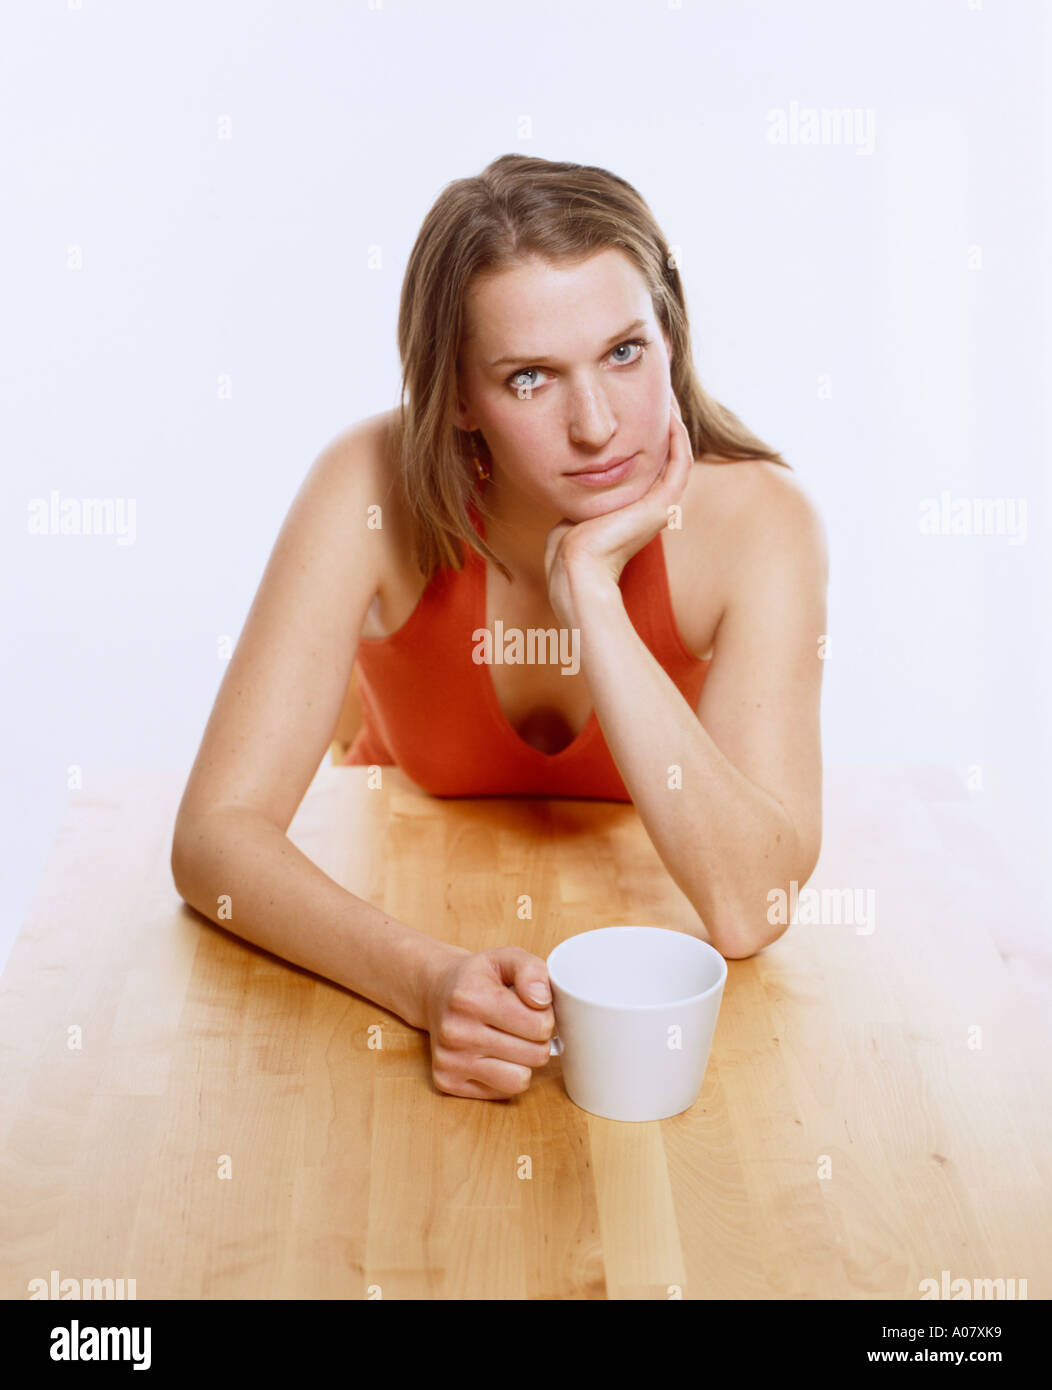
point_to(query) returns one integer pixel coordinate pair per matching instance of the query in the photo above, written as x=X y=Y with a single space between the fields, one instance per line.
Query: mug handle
x=555 y=1046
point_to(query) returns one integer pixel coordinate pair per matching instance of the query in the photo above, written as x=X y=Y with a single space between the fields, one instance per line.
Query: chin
x=613 y=499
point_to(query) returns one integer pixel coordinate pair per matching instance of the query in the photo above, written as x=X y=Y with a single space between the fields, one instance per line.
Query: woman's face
x=564 y=369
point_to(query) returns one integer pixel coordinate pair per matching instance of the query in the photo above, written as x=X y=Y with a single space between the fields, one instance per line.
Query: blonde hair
x=518 y=207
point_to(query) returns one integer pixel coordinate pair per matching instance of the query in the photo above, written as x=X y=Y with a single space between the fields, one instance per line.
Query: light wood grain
x=353 y=1177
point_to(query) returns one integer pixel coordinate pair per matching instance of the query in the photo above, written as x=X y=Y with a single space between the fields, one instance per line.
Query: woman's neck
x=517 y=531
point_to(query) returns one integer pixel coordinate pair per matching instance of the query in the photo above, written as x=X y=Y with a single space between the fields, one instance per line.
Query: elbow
x=740 y=932
x=763 y=916
x=746 y=946
x=741 y=920
x=179 y=865
x=740 y=942
x=175 y=865
x=188 y=839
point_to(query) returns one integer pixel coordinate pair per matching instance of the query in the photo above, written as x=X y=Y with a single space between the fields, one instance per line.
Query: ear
x=462 y=415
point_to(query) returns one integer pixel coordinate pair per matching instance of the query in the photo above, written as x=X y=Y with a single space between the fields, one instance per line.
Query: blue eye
x=640 y=343
x=512 y=380
x=523 y=390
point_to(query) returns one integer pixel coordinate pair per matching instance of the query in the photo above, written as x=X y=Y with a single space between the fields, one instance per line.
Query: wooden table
x=854 y=1136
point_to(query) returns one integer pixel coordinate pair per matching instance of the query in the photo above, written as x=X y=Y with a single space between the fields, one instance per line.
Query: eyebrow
x=532 y=358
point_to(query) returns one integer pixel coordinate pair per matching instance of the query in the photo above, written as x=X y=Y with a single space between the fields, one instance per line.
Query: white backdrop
x=207 y=213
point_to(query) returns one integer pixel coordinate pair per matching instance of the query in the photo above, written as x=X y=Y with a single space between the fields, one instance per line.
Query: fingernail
x=540 y=993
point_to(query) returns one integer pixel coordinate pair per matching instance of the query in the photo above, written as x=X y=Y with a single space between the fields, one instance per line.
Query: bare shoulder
x=740 y=521
x=359 y=454
x=357 y=472
x=753 y=506
x=283 y=690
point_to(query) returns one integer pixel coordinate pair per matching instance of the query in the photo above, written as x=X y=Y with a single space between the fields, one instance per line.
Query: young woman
x=557 y=470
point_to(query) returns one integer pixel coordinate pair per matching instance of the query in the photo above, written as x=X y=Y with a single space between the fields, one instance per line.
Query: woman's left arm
x=730 y=793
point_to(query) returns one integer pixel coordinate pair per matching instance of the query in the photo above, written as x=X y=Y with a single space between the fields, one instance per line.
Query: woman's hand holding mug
x=487 y=1030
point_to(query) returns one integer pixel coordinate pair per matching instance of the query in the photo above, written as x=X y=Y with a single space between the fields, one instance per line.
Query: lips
x=597 y=468
x=605 y=474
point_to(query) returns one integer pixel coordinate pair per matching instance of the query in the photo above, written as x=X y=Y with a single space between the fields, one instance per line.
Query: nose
x=592 y=421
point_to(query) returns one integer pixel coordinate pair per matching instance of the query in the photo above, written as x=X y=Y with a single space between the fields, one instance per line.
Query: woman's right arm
x=271 y=724
x=272 y=721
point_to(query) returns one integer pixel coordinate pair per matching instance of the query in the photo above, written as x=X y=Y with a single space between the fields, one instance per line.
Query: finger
x=679 y=462
x=667 y=488
x=470 y=1090
x=509 y=1018
x=508 y=1047
x=475 y=1037
x=531 y=983
x=507 y=1077
x=679 y=454
x=506 y=1010
x=528 y=975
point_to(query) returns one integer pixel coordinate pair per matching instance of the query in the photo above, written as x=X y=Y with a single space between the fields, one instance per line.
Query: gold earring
x=480 y=467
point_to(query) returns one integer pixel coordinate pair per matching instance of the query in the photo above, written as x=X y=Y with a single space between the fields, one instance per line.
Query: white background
x=250 y=256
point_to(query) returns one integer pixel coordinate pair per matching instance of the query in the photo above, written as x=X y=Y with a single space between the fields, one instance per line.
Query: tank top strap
x=648 y=601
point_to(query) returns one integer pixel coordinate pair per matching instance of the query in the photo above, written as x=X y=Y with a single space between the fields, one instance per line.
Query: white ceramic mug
x=635 y=1009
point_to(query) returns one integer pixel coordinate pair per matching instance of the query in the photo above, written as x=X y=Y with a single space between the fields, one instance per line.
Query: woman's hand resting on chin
x=580 y=554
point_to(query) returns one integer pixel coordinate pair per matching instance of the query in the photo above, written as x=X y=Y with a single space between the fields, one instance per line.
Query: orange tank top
x=429 y=708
